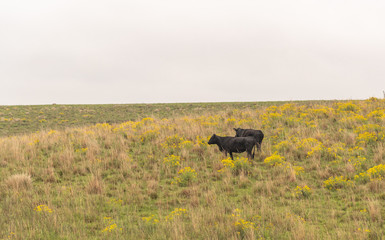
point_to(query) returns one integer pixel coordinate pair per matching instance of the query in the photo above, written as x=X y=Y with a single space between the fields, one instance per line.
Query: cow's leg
x=231 y=155
x=225 y=152
x=249 y=154
x=259 y=146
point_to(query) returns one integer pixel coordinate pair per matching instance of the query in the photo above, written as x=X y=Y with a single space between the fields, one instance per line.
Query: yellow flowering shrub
x=377 y=114
x=348 y=107
x=274 y=160
x=172 y=141
x=151 y=219
x=186 y=144
x=243 y=224
x=369 y=128
x=175 y=213
x=147 y=120
x=115 y=202
x=369 y=134
x=103 y=126
x=228 y=163
x=288 y=108
x=236 y=166
x=252 y=224
x=282 y=146
x=309 y=145
x=311 y=124
x=295 y=217
x=241 y=164
x=35 y=142
x=357 y=161
x=201 y=141
x=321 y=112
x=172 y=160
x=333 y=152
x=51 y=132
x=245 y=122
x=209 y=120
x=43 y=208
x=110 y=228
x=334 y=183
x=315 y=149
x=272 y=109
x=356 y=151
x=231 y=120
x=268 y=119
x=302 y=192
x=185 y=176
x=111 y=225
x=376 y=173
x=363 y=230
x=366 y=138
x=81 y=150
x=149 y=135
x=353 y=118
x=298 y=170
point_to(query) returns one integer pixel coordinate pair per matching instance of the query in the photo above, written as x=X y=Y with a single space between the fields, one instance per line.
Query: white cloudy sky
x=146 y=51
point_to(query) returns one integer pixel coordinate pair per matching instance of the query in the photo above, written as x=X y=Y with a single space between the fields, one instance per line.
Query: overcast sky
x=151 y=51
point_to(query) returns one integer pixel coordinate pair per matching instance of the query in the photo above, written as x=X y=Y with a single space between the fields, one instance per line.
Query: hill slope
x=319 y=176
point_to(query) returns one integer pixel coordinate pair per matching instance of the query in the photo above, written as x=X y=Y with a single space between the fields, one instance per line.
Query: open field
x=25 y=119
x=22 y=119
x=146 y=171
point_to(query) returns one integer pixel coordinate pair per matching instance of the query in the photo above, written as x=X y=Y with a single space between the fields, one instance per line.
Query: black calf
x=234 y=144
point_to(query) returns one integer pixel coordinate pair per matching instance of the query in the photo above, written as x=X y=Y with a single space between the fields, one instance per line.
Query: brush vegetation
x=320 y=174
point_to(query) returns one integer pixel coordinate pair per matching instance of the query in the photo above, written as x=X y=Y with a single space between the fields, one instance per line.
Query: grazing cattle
x=234 y=144
x=257 y=134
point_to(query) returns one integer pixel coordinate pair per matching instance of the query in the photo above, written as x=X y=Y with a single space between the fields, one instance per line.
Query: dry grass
x=114 y=178
x=19 y=182
x=374 y=209
x=95 y=185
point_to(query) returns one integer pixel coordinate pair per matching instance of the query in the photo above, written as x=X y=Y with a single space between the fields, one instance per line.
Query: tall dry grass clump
x=374 y=209
x=19 y=182
x=95 y=185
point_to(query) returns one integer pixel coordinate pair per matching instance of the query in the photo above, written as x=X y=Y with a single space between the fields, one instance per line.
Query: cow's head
x=213 y=139
x=237 y=132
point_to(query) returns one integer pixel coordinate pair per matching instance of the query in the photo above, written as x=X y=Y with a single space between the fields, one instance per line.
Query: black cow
x=234 y=144
x=257 y=134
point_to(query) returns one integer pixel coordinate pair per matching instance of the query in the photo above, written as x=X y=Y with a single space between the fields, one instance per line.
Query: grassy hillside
x=22 y=119
x=319 y=174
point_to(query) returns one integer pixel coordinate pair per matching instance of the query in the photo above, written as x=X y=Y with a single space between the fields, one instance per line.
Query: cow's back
x=257 y=134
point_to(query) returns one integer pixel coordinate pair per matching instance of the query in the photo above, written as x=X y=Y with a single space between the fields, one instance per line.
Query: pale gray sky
x=149 y=51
